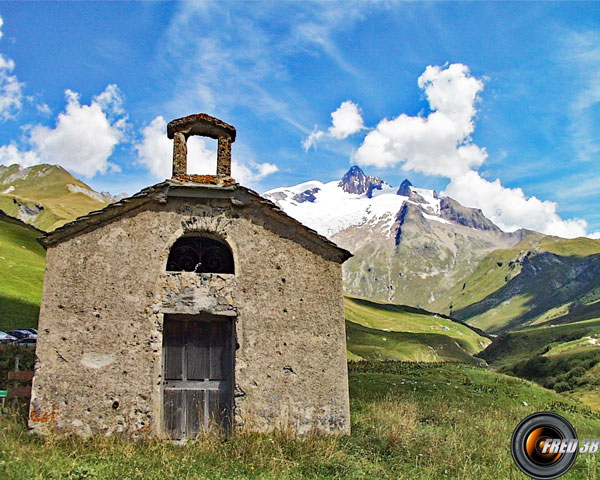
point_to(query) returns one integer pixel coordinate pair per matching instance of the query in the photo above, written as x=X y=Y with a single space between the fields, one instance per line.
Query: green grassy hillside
x=409 y=421
x=383 y=331
x=517 y=345
x=372 y=344
x=541 y=279
x=564 y=357
x=570 y=313
x=22 y=261
x=46 y=196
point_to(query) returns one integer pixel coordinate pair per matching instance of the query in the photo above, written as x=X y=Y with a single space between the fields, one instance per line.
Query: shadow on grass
x=17 y=313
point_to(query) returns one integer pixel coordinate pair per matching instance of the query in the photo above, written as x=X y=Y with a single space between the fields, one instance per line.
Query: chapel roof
x=189 y=188
x=186 y=185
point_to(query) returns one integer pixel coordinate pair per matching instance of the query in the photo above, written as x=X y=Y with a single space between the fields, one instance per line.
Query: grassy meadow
x=385 y=331
x=409 y=421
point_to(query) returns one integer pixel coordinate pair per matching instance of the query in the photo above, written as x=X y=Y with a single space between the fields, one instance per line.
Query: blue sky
x=91 y=85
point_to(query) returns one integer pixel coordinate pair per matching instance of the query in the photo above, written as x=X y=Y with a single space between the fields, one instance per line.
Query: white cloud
x=111 y=101
x=436 y=144
x=440 y=144
x=82 y=140
x=10 y=154
x=43 y=109
x=345 y=121
x=250 y=171
x=155 y=152
x=11 y=90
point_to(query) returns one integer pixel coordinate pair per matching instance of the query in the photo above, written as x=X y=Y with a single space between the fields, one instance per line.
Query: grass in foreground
x=410 y=421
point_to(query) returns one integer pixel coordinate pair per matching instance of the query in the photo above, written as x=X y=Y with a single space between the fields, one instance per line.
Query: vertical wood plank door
x=198 y=371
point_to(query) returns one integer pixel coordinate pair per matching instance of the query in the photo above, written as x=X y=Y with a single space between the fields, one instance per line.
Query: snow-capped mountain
x=409 y=245
x=355 y=200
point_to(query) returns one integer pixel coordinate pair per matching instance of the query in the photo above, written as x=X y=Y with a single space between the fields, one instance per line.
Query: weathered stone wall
x=105 y=294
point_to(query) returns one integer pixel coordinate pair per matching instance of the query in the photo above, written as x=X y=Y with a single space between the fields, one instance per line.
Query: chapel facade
x=194 y=305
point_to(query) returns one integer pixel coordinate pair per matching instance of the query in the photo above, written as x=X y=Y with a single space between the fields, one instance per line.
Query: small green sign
x=3 y=393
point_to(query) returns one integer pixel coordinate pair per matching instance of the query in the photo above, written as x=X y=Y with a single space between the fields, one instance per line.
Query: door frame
x=199 y=317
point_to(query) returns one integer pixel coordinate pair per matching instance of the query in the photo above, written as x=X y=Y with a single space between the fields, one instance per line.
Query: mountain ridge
x=438 y=240
x=46 y=196
x=410 y=245
x=414 y=248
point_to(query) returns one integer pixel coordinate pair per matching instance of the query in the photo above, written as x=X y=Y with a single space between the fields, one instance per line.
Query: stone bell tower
x=203 y=125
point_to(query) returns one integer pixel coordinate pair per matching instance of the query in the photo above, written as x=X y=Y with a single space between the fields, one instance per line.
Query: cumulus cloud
x=82 y=140
x=251 y=171
x=10 y=154
x=11 y=90
x=345 y=121
x=440 y=144
x=155 y=152
x=436 y=144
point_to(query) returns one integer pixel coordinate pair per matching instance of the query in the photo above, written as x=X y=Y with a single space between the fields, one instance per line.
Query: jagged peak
x=354 y=172
x=356 y=181
x=404 y=188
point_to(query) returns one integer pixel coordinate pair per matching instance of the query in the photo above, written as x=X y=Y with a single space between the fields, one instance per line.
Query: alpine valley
x=431 y=280
x=415 y=248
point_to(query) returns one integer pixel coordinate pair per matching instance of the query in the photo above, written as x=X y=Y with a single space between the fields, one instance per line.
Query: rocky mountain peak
x=404 y=188
x=453 y=211
x=116 y=197
x=355 y=181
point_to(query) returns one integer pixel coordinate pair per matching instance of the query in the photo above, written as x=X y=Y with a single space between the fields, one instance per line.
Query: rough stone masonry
x=107 y=292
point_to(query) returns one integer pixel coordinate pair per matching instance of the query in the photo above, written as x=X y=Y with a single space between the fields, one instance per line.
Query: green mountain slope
x=383 y=331
x=365 y=343
x=46 y=196
x=564 y=357
x=511 y=347
x=541 y=279
x=22 y=261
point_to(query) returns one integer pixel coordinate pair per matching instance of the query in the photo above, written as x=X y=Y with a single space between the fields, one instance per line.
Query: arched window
x=201 y=255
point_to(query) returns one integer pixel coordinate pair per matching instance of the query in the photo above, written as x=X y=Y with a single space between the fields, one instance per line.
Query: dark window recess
x=200 y=255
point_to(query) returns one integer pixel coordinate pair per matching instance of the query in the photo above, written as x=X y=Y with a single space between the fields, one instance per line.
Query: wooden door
x=197 y=374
